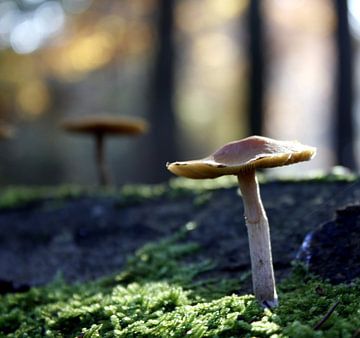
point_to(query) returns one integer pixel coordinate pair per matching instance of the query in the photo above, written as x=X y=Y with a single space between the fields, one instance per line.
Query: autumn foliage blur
x=107 y=34
x=77 y=57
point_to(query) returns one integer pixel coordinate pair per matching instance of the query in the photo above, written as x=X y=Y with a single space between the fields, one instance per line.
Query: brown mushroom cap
x=239 y=156
x=105 y=124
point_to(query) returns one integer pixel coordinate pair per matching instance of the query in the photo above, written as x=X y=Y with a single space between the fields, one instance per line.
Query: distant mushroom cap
x=240 y=156
x=107 y=124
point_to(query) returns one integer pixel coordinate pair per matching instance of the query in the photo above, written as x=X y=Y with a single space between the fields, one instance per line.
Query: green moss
x=161 y=293
x=305 y=300
x=199 y=190
x=336 y=174
x=17 y=196
x=176 y=188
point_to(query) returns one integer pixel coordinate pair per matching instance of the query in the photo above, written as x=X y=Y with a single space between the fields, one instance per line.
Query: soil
x=88 y=237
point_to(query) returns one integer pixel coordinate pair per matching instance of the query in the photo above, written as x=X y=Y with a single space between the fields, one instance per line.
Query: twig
x=326 y=317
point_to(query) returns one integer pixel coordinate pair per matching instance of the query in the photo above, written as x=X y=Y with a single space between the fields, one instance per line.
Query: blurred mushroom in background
x=100 y=126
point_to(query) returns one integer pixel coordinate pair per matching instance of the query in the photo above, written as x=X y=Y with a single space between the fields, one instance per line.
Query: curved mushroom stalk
x=259 y=240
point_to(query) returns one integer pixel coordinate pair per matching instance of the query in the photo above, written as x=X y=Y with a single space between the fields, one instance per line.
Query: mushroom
x=242 y=158
x=99 y=126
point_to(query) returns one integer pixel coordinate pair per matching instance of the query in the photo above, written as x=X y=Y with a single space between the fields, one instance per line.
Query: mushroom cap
x=243 y=155
x=105 y=124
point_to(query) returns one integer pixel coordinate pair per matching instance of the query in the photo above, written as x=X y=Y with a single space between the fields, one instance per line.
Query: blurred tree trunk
x=344 y=138
x=162 y=116
x=256 y=87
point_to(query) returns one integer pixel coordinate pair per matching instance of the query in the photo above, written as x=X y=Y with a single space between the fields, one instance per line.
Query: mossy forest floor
x=165 y=261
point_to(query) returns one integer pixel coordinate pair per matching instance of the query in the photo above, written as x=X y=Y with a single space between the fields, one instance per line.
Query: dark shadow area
x=86 y=238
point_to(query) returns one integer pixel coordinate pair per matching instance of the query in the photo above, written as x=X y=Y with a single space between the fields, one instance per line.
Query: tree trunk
x=344 y=138
x=256 y=88
x=162 y=117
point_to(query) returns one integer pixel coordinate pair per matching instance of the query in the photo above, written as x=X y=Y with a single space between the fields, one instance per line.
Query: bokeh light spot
x=33 y=99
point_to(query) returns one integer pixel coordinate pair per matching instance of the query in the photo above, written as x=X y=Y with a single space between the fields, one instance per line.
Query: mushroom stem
x=259 y=240
x=103 y=173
